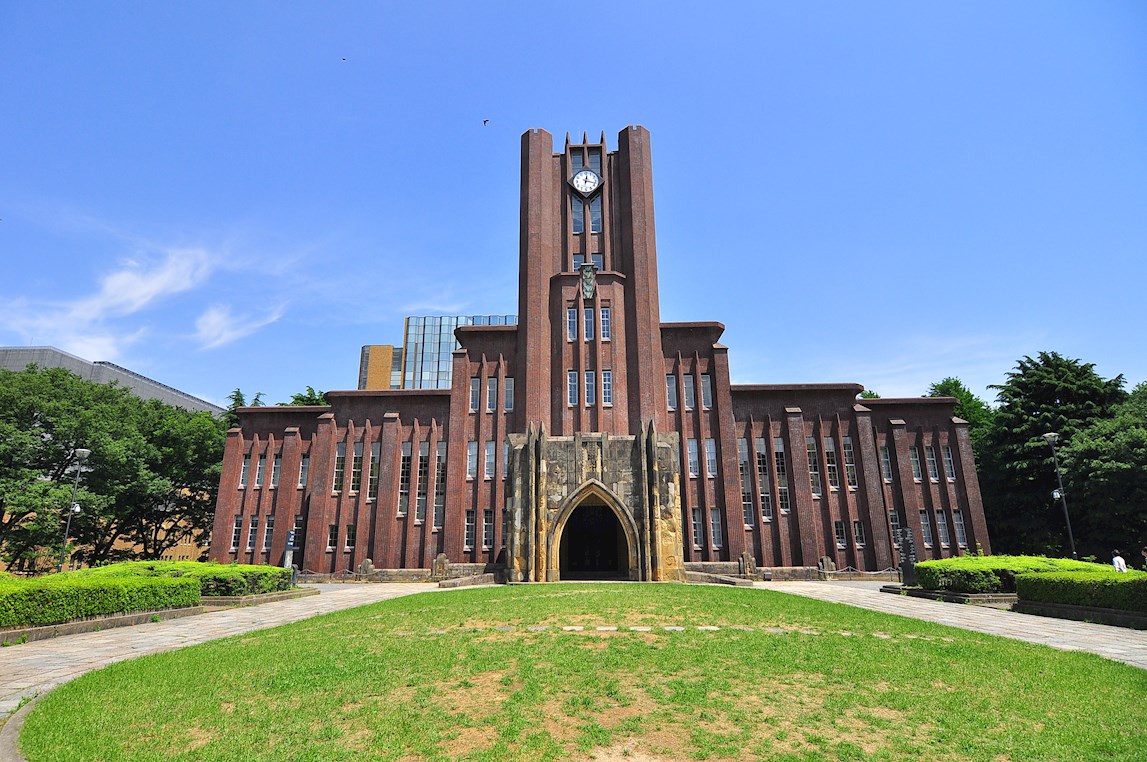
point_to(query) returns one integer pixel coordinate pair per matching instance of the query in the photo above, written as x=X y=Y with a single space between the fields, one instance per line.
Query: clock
x=585 y=182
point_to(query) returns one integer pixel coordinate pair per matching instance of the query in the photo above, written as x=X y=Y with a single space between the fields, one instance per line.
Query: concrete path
x=1117 y=643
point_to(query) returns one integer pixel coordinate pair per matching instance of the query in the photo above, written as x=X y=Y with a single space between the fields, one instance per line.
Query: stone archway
x=594 y=537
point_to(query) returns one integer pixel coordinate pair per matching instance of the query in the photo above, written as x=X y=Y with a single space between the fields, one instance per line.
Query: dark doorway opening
x=593 y=545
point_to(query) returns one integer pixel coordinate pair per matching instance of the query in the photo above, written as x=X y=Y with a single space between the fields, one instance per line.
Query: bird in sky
x=485 y=122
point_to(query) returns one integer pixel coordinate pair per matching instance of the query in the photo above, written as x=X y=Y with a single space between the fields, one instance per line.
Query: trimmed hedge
x=64 y=597
x=1106 y=589
x=214 y=579
x=992 y=574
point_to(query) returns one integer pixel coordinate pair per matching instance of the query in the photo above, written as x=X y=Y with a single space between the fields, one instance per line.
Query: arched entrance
x=593 y=545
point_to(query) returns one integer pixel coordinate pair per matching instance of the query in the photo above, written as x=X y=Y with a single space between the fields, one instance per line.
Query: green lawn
x=461 y=675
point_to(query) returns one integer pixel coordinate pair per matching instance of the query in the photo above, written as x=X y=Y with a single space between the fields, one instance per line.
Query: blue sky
x=881 y=193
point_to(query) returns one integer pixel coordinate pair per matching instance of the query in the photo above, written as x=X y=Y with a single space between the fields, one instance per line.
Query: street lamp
x=1051 y=438
x=81 y=456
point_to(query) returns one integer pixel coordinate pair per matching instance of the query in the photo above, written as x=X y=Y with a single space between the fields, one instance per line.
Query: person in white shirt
x=1118 y=562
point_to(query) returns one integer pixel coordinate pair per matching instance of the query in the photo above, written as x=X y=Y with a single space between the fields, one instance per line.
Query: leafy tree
x=237 y=399
x=309 y=397
x=1045 y=394
x=970 y=407
x=868 y=394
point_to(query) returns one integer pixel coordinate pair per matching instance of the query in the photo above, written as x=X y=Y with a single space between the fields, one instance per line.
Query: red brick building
x=593 y=440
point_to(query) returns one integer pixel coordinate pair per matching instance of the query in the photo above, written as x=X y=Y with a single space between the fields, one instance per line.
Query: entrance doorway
x=593 y=545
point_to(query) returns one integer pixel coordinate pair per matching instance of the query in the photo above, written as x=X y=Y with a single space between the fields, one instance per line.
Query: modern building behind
x=589 y=439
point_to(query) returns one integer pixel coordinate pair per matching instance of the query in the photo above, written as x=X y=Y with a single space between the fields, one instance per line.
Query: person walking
x=1118 y=562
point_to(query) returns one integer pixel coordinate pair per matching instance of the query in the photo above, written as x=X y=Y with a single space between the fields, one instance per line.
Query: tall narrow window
x=236 y=533
x=375 y=470
x=606 y=327
x=252 y=532
x=471 y=460
x=926 y=528
x=246 y=470
x=961 y=532
x=259 y=461
x=332 y=536
x=422 y=490
x=914 y=457
x=746 y=480
x=268 y=531
x=949 y=464
x=690 y=392
x=577 y=213
x=571 y=323
x=813 y=465
x=509 y=393
x=715 y=528
x=841 y=535
x=276 y=469
x=698 y=529
x=590 y=388
x=491 y=394
x=351 y=536
x=858 y=533
x=404 y=480
x=830 y=467
x=694 y=466
x=298 y=530
x=571 y=387
x=487 y=529
x=440 y=485
x=885 y=463
x=894 y=522
x=588 y=316
x=711 y=457
x=356 y=468
x=782 y=474
x=849 y=462
x=671 y=391
x=595 y=214
x=607 y=387
x=304 y=468
x=763 y=479
x=942 y=527
x=706 y=391
x=469 y=539
x=490 y=454
x=930 y=457
x=505 y=458
x=340 y=466
x=475 y=393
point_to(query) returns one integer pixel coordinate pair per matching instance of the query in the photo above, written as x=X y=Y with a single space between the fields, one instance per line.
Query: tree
x=309 y=397
x=1045 y=394
x=868 y=394
x=970 y=407
x=237 y=400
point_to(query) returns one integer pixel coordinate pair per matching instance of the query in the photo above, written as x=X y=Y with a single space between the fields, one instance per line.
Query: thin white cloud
x=218 y=326
x=138 y=284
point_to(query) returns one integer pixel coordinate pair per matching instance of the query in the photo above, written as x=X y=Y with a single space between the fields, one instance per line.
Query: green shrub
x=1106 y=589
x=215 y=579
x=991 y=574
x=64 y=597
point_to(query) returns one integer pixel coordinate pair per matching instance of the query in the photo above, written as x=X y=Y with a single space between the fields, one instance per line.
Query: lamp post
x=1051 y=438
x=74 y=507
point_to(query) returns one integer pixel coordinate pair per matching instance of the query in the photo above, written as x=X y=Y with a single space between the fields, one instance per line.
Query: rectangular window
x=694 y=466
x=276 y=469
x=782 y=475
x=590 y=388
x=671 y=391
x=763 y=479
x=595 y=214
x=577 y=216
x=268 y=532
x=505 y=458
x=841 y=537
x=830 y=463
x=930 y=457
x=698 y=529
x=942 y=527
x=252 y=532
x=356 y=468
x=509 y=393
x=715 y=528
x=304 y=468
x=259 y=461
x=606 y=328
x=489 y=464
x=332 y=536
x=849 y=462
x=706 y=391
x=422 y=490
x=351 y=536
x=813 y=465
x=375 y=470
x=571 y=388
x=711 y=457
x=491 y=395
x=746 y=480
x=949 y=464
x=894 y=522
x=469 y=539
x=571 y=323
x=298 y=530
x=404 y=480
x=690 y=392
x=926 y=528
x=885 y=464
x=858 y=533
x=475 y=393
x=236 y=533
x=440 y=485
x=246 y=470
x=588 y=319
x=340 y=467
x=914 y=456
x=487 y=529
x=607 y=387
x=961 y=532
x=471 y=460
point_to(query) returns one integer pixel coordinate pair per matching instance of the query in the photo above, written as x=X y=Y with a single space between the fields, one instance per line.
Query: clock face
x=586 y=181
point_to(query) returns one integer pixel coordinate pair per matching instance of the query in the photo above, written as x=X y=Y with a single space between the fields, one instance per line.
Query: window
x=671 y=391
x=471 y=460
x=930 y=456
x=942 y=527
x=746 y=480
x=404 y=480
x=422 y=490
x=475 y=392
x=332 y=536
x=706 y=391
x=926 y=528
x=606 y=328
x=297 y=539
x=841 y=537
x=782 y=474
x=469 y=540
x=571 y=388
x=351 y=536
x=698 y=529
x=590 y=388
x=236 y=533
x=715 y=528
x=246 y=470
x=813 y=465
x=440 y=485
x=961 y=532
x=509 y=393
x=858 y=533
x=304 y=467
x=276 y=469
x=375 y=470
x=268 y=532
x=607 y=387
x=489 y=464
x=763 y=479
x=577 y=214
x=252 y=532
x=588 y=319
x=711 y=457
x=597 y=259
x=694 y=467
x=259 y=470
x=949 y=464
x=914 y=456
x=885 y=464
x=505 y=458
x=340 y=467
x=849 y=462
x=595 y=214
x=690 y=392
x=491 y=395
x=894 y=522
x=571 y=323
x=830 y=463
x=356 y=468
x=487 y=529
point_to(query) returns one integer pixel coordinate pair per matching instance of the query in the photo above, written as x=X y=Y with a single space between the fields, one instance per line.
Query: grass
x=461 y=675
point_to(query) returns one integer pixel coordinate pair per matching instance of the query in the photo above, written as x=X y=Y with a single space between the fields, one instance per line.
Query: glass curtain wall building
x=428 y=344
